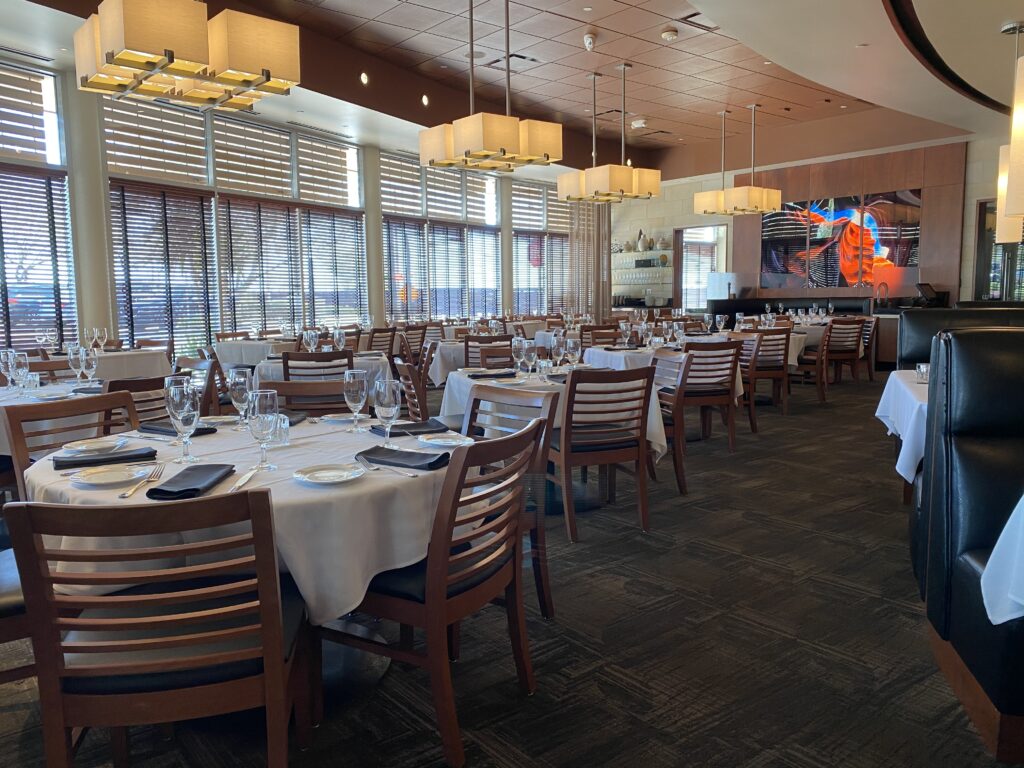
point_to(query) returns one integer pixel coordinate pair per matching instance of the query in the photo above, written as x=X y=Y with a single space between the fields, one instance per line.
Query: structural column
x=505 y=217
x=374 y=232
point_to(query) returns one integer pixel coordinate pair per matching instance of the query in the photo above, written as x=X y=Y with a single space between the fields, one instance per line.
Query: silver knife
x=242 y=480
x=151 y=437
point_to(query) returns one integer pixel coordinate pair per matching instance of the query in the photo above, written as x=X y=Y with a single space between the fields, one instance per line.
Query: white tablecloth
x=456 y=398
x=248 y=351
x=904 y=410
x=333 y=539
x=450 y=356
x=132 y=364
x=635 y=358
x=13 y=398
x=544 y=338
x=377 y=369
x=1002 y=581
x=529 y=326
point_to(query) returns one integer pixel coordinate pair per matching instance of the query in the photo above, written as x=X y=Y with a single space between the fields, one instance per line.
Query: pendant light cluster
x=167 y=49
x=735 y=201
x=483 y=141
x=610 y=183
x=1010 y=184
x=712 y=202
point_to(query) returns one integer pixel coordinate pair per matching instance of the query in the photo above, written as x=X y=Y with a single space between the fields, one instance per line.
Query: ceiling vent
x=699 y=21
x=26 y=54
x=318 y=129
x=517 y=62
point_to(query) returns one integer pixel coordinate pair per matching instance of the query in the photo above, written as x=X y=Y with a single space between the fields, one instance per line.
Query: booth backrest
x=919 y=326
x=989 y=305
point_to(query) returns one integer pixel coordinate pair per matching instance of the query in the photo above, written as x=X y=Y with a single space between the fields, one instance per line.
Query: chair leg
x=539 y=561
x=705 y=421
x=567 y=503
x=677 y=462
x=612 y=474
x=56 y=741
x=277 y=733
x=316 y=676
x=444 y=696
x=302 y=695
x=751 y=411
x=641 y=496
x=822 y=375
x=517 y=632
x=119 y=747
x=869 y=355
x=731 y=422
x=650 y=465
x=584 y=475
x=405 y=636
x=454 y=640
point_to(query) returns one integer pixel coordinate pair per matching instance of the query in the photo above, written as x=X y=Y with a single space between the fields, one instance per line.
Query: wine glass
x=339 y=338
x=101 y=336
x=239 y=387
x=646 y=333
x=767 y=307
x=529 y=356
x=708 y=320
x=262 y=418
x=51 y=338
x=557 y=349
x=7 y=367
x=739 y=321
x=183 y=408
x=572 y=352
x=720 y=321
x=518 y=351
x=88 y=358
x=831 y=307
x=75 y=359
x=309 y=339
x=355 y=389
x=387 y=398
x=40 y=337
x=625 y=329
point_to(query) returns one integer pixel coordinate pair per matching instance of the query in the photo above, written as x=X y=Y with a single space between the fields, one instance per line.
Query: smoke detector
x=640 y=122
x=670 y=34
x=589 y=39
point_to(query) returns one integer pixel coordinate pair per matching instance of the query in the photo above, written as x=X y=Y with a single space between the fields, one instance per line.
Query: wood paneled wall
x=937 y=171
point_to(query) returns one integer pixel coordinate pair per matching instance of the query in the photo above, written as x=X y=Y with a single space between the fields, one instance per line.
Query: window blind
x=527 y=206
x=250 y=158
x=405 y=269
x=334 y=252
x=558 y=212
x=556 y=264
x=481 y=199
x=401 y=186
x=150 y=140
x=528 y=273
x=36 y=271
x=28 y=116
x=260 y=274
x=445 y=193
x=327 y=172
x=700 y=255
x=164 y=274
x=447 y=270
x=483 y=264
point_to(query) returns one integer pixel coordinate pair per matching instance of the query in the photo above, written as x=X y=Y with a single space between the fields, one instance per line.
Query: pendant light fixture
x=712 y=202
x=1010 y=183
x=752 y=199
x=571 y=185
x=485 y=141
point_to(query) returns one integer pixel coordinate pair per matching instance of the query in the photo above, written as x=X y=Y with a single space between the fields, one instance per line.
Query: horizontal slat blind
x=527 y=206
x=36 y=273
x=250 y=158
x=23 y=114
x=483 y=251
x=154 y=141
x=557 y=212
x=556 y=264
x=528 y=272
x=445 y=195
x=481 y=199
x=448 y=294
x=163 y=265
x=328 y=172
x=334 y=252
x=700 y=254
x=405 y=269
x=401 y=188
x=260 y=274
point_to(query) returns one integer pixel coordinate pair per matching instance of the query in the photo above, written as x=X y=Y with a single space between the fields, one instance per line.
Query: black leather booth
x=919 y=326
x=989 y=305
x=844 y=305
x=973 y=478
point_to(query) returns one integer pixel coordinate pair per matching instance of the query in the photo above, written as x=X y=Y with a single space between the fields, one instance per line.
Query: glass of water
x=529 y=356
x=572 y=352
x=88 y=359
x=518 y=351
x=183 y=408
x=239 y=387
x=262 y=416
x=387 y=398
x=355 y=389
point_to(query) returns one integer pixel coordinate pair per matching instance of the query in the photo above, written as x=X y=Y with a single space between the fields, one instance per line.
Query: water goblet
x=720 y=321
x=572 y=352
x=19 y=369
x=518 y=352
x=338 y=337
x=387 y=398
x=354 y=387
x=557 y=350
x=88 y=359
x=263 y=426
x=544 y=370
x=239 y=387
x=101 y=337
x=183 y=409
x=708 y=318
x=74 y=350
x=529 y=356
x=739 y=321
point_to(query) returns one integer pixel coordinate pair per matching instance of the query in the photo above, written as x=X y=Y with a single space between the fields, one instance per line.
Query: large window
x=698 y=247
x=334 y=258
x=540 y=250
x=163 y=264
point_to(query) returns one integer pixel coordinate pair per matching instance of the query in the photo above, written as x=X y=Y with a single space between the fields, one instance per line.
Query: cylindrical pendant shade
x=709 y=202
x=138 y=32
x=646 y=182
x=436 y=146
x=242 y=46
x=92 y=72
x=571 y=185
x=1008 y=228
x=540 y=140
x=485 y=135
x=608 y=181
x=1015 y=172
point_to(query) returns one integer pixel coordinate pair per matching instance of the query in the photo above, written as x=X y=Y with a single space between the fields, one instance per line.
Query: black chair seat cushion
x=410 y=583
x=6 y=464
x=705 y=392
x=12 y=602
x=293 y=610
x=608 y=435
x=763 y=368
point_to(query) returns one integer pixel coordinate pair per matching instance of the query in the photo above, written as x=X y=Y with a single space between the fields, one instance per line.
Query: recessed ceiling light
x=364 y=78
x=425 y=100
x=767 y=63
x=842 y=106
x=587 y=8
x=670 y=34
x=63 y=50
x=476 y=54
x=444 y=66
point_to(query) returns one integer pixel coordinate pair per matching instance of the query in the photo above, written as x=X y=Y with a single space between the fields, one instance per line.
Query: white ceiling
x=819 y=40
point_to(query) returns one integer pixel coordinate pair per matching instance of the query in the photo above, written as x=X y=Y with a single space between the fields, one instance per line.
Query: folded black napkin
x=494 y=375
x=699 y=333
x=100 y=459
x=294 y=417
x=407 y=459
x=619 y=349
x=96 y=389
x=191 y=482
x=558 y=378
x=366 y=354
x=164 y=427
x=429 y=427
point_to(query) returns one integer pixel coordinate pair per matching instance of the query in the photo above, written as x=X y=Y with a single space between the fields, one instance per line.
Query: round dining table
x=375 y=364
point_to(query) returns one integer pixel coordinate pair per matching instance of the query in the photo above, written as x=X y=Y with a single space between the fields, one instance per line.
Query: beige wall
x=982 y=170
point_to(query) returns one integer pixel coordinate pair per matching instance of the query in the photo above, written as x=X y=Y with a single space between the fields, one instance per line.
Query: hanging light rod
x=712 y=201
x=751 y=198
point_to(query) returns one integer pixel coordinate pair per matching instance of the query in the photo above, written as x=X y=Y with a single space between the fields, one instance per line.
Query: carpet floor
x=769 y=619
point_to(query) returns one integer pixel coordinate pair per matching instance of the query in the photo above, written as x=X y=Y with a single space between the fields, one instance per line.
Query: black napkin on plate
x=406 y=459
x=619 y=349
x=102 y=459
x=164 y=427
x=294 y=417
x=429 y=427
x=367 y=353
x=191 y=482
x=95 y=389
x=558 y=378
x=493 y=375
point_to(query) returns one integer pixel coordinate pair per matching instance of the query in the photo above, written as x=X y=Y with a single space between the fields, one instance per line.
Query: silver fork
x=71 y=472
x=374 y=468
x=153 y=476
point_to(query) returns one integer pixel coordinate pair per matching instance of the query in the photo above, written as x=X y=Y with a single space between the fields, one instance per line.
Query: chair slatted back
x=868 y=331
x=615 y=400
x=713 y=365
x=316 y=366
x=52 y=371
x=496 y=357
x=670 y=370
x=382 y=340
x=471 y=345
x=204 y=377
x=499 y=411
x=405 y=350
x=773 y=351
x=148 y=395
x=843 y=335
x=694 y=326
x=433 y=331
x=316 y=398
x=167 y=346
x=426 y=359
x=460 y=333
x=416 y=335
x=415 y=391
x=37 y=429
x=476 y=532
x=230 y=335
x=552 y=323
x=604 y=338
x=587 y=334
x=238 y=597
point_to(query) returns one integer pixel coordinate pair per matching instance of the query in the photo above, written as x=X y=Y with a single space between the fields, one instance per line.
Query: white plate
x=95 y=445
x=510 y=382
x=107 y=477
x=211 y=420
x=446 y=440
x=329 y=474
x=47 y=397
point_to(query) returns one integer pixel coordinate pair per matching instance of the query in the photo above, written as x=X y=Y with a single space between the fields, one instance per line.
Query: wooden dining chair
x=765 y=357
x=869 y=341
x=382 y=340
x=415 y=391
x=415 y=334
x=433 y=331
x=840 y=345
x=426 y=360
x=496 y=357
x=316 y=366
x=604 y=423
x=473 y=559
x=223 y=634
x=472 y=344
x=405 y=351
x=670 y=369
x=167 y=346
x=230 y=335
x=53 y=371
x=35 y=430
x=694 y=326
x=317 y=398
x=587 y=332
x=148 y=395
x=460 y=333
x=604 y=338
x=552 y=323
x=498 y=411
x=711 y=383
x=204 y=377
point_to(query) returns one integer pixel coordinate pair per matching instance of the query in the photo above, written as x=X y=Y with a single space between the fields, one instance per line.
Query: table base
x=349 y=673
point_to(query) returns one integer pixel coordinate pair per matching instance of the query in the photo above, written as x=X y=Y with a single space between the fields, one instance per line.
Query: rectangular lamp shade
x=571 y=185
x=92 y=72
x=1015 y=172
x=485 y=135
x=752 y=199
x=710 y=202
x=646 y=182
x=436 y=147
x=540 y=140
x=607 y=182
x=138 y=32
x=242 y=46
x=1008 y=228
